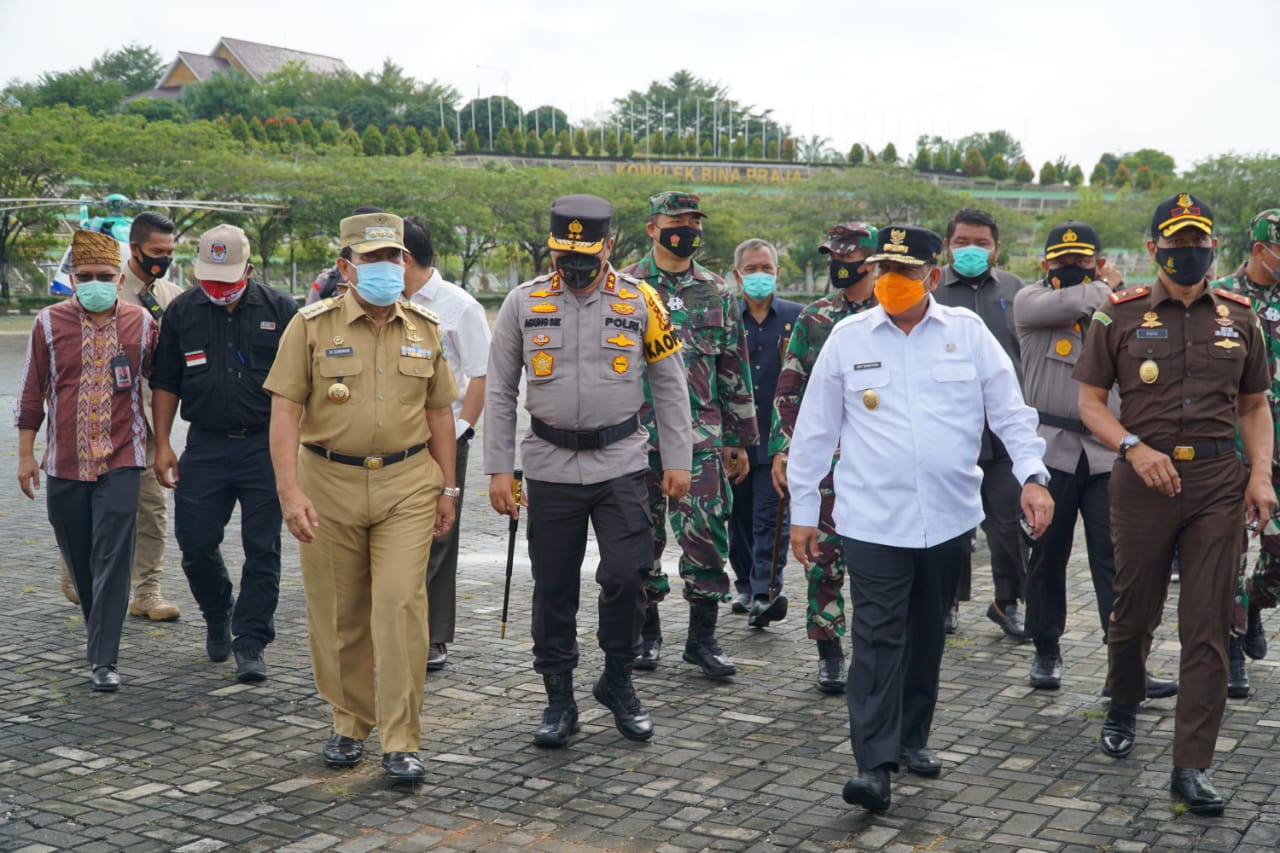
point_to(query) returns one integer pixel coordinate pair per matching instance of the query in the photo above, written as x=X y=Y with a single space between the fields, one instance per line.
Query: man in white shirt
x=465 y=334
x=911 y=381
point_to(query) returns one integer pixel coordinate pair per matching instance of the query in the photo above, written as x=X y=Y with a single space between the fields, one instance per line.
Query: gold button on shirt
x=392 y=376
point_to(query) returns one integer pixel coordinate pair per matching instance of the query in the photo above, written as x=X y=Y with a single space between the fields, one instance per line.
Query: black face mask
x=154 y=267
x=845 y=273
x=1069 y=277
x=1185 y=265
x=578 y=271
x=681 y=241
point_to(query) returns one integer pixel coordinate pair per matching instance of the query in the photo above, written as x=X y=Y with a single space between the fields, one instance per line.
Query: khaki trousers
x=364 y=578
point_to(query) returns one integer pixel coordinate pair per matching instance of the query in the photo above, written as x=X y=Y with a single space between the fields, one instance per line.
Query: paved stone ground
x=184 y=758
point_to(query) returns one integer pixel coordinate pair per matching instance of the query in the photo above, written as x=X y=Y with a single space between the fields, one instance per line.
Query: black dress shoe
x=250 y=667
x=741 y=603
x=869 y=789
x=1046 y=671
x=952 y=623
x=437 y=657
x=1120 y=730
x=831 y=666
x=105 y=679
x=1157 y=688
x=1192 y=786
x=921 y=762
x=1237 y=672
x=1255 y=638
x=758 y=616
x=341 y=751
x=1009 y=619
x=404 y=767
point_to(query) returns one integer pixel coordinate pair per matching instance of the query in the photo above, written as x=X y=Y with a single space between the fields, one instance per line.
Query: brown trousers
x=1205 y=522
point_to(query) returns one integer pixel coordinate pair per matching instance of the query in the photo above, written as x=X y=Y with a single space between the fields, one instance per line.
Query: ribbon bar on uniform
x=597 y=439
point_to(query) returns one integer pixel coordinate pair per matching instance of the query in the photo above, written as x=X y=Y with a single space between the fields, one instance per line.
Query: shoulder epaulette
x=1129 y=294
x=1233 y=296
x=422 y=312
x=627 y=278
x=315 y=309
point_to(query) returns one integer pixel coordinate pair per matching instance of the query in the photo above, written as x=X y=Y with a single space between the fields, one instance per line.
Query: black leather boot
x=831 y=668
x=651 y=638
x=1255 y=638
x=614 y=690
x=701 y=648
x=560 y=719
x=1237 y=672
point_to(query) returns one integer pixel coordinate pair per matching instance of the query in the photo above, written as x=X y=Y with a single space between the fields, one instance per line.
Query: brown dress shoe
x=68 y=586
x=154 y=607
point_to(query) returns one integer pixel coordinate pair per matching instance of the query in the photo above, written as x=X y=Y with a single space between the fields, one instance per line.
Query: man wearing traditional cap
x=1190 y=363
x=217 y=345
x=585 y=338
x=360 y=382
x=1257 y=279
x=912 y=381
x=1051 y=317
x=84 y=369
x=724 y=424
x=847 y=247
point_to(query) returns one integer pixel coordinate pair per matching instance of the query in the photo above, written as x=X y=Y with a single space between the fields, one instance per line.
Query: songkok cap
x=1071 y=238
x=579 y=223
x=849 y=236
x=223 y=254
x=368 y=232
x=907 y=244
x=1178 y=212
x=90 y=247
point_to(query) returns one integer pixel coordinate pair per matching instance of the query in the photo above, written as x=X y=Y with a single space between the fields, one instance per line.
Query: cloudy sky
x=1071 y=77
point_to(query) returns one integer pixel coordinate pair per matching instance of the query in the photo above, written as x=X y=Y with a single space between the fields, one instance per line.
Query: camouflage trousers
x=700 y=522
x=1261 y=587
x=824 y=615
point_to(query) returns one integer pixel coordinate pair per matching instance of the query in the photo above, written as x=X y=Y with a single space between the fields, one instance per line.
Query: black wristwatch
x=1038 y=479
x=1127 y=443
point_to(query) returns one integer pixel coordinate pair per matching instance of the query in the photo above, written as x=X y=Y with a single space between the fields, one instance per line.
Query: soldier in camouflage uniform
x=847 y=246
x=703 y=312
x=1257 y=279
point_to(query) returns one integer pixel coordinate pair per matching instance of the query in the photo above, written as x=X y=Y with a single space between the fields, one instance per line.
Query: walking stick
x=512 y=527
x=777 y=609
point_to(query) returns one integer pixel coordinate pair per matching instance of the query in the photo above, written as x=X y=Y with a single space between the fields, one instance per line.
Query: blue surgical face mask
x=759 y=285
x=379 y=283
x=970 y=261
x=96 y=296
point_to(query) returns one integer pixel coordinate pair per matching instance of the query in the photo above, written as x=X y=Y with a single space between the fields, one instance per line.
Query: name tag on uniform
x=339 y=352
x=196 y=358
x=267 y=325
x=867 y=365
x=1227 y=332
x=415 y=351
x=1153 y=334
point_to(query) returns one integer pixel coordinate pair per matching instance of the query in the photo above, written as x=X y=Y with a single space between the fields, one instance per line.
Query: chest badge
x=622 y=308
x=871 y=399
x=1271 y=315
x=1151 y=320
x=544 y=308
x=1227 y=344
x=620 y=340
x=675 y=303
x=543 y=363
x=1223 y=311
x=620 y=364
x=950 y=347
x=541 y=340
x=1062 y=347
x=338 y=341
x=1149 y=372
x=339 y=393
x=627 y=294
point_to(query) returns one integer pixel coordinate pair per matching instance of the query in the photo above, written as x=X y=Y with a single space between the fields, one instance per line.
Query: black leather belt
x=373 y=463
x=1187 y=452
x=243 y=432
x=596 y=439
x=1062 y=423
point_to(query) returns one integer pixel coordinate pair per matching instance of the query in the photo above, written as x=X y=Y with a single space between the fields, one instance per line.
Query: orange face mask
x=896 y=293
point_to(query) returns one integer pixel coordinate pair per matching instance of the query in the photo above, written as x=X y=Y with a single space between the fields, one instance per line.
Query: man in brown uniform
x=360 y=382
x=1190 y=363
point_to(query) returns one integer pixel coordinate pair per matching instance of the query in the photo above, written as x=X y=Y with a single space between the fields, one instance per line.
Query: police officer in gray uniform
x=1052 y=317
x=585 y=336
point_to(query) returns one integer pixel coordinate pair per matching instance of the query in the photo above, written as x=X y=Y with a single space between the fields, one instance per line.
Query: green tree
x=393 y=141
x=739 y=150
x=470 y=140
x=133 y=66
x=788 y=150
x=1143 y=179
x=240 y=129
x=444 y=142
x=997 y=168
x=157 y=109
x=923 y=161
x=532 y=143
x=310 y=135
x=1049 y=174
x=224 y=94
x=628 y=146
x=372 y=141
x=1075 y=177
x=412 y=139
x=429 y=145
x=657 y=144
x=1022 y=173
x=857 y=155
x=756 y=149
x=1110 y=161
x=274 y=129
x=564 y=143
x=974 y=163
x=1160 y=164
x=1099 y=177
x=611 y=145
x=78 y=88
x=330 y=131
x=1238 y=186
x=580 y=142
x=549 y=142
x=771 y=152
x=1121 y=177
x=351 y=141
x=364 y=111
x=502 y=142
x=889 y=156
x=257 y=131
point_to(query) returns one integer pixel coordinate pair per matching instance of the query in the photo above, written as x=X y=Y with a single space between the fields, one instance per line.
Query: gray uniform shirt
x=1051 y=325
x=584 y=360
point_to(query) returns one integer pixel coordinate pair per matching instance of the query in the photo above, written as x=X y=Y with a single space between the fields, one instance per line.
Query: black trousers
x=900 y=598
x=557 y=525
x=95 y=524
x=1073 y=493
x=1001 y=504
x=215 y=472
x=442 y=565
x=751 y=532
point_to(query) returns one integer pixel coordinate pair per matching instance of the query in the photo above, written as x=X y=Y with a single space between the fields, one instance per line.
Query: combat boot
x=831 y=667
x=1237 y=672
x=651 y=639
x=560 y=719
x=701 y=647
x=614 y=690
x=1255 y=638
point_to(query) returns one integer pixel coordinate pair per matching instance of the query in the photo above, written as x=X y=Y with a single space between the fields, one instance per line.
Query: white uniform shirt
x=908 y=411
x=464 y=331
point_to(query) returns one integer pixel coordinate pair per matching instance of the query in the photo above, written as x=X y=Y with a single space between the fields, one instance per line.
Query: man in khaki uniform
x=360 y=383
x=151 y=245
